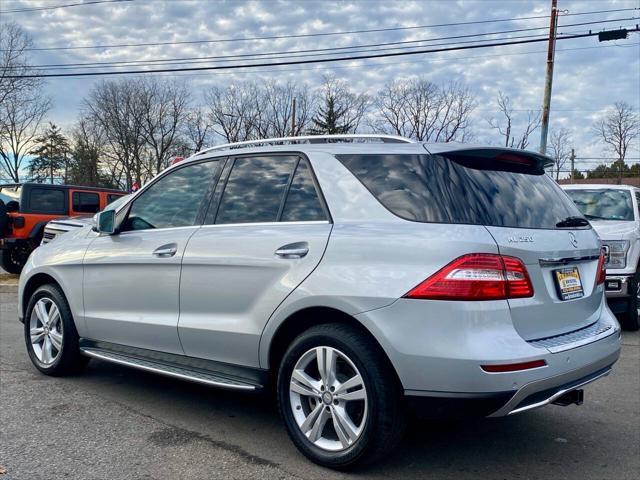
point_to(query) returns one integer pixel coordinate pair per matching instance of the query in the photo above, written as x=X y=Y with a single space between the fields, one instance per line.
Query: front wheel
x=630 y=319
x=50 y=334
x=339 y=398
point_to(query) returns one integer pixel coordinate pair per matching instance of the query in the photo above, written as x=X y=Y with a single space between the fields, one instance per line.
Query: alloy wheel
x=328 y=398
x=45 y=329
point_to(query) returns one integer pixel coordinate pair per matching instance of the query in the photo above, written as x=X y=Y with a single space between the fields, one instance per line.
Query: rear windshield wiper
x=572 y=222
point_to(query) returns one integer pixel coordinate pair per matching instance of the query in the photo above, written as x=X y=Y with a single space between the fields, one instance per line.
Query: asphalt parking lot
x=116 y=423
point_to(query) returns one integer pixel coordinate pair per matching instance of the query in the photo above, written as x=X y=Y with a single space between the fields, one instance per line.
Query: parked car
x=613 y=210
x=359 y=275
x=27 y=207
x=59 y=226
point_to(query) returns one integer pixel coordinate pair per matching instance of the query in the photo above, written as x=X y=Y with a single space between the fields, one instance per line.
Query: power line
x=299 y=62
x=321 y=34
x=54 y=7
x=217 y=59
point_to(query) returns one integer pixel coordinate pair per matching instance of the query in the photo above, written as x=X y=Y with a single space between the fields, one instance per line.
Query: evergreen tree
x=330 y=119
x=50 y=159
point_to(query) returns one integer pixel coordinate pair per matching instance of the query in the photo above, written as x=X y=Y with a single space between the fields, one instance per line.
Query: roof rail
x=350 y=138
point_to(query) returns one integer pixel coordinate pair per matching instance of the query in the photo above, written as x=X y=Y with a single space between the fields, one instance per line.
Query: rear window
x=603 y=204
x=47 y=200
x=463 y=190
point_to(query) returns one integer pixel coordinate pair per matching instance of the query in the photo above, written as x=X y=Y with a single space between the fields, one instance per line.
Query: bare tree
x=559 y=149
x=14 y=44
x=164 y=109
x=234 y=112
x=619 y=129
x=506 y=127
x=276 y=117
x=196 y=130
x=340 y=110
x=21 y=114
x=422 y=110
x=117 y=109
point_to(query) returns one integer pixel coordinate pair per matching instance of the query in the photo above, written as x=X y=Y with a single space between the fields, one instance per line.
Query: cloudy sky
x=589 y=76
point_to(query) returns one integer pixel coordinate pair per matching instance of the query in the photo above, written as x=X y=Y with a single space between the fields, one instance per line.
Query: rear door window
x=85 y=202
x=255 y=189
x=47 y=200
x=462 y=190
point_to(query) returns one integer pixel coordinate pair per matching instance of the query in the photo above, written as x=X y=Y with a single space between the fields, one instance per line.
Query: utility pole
x=293 y=118
x=551 y=52
x=573 y=162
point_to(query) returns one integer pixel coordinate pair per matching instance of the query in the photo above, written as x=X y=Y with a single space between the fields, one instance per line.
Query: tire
x=11 y=261
x=62 y=355
x=378 y=419
x=629 y=320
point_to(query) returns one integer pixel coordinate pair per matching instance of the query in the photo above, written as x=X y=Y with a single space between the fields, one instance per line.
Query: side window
x=112 y=198
x=255 y=189
x=85 y=202
x=302 y=203
x=47 y=200
x=638 y=205
x=174 y=200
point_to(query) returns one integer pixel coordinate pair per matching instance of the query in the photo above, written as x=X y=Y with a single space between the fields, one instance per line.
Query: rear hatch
x=531 y=218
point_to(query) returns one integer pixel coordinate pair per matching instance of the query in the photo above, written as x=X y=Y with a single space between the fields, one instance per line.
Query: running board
x=174 y=371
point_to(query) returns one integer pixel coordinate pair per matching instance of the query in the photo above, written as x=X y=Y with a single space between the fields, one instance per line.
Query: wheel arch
x=305 y=318
x=32 y=284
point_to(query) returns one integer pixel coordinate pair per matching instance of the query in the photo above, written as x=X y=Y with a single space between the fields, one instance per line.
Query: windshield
x=10 y=194
x=603 y=204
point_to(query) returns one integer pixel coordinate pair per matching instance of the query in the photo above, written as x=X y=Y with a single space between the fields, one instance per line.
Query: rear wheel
x=630 y=319
x=340 y=401
x=50 y=334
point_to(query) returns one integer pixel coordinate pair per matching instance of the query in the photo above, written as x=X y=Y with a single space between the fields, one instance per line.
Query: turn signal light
x=477 y=276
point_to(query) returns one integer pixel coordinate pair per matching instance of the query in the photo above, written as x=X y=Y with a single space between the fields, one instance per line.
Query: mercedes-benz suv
x=358 y=275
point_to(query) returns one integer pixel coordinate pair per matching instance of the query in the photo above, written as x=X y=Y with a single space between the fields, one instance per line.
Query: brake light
x=477 y=276
x=601 y=271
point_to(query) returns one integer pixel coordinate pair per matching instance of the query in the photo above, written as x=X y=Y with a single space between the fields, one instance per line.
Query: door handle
x=293 y=250
x=164 y=251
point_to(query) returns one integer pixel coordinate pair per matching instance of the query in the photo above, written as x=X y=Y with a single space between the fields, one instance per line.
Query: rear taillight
x=601 y=272
x=18 y=222
x=477 y=276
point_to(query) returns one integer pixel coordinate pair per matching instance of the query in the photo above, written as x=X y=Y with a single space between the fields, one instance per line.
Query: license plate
x=568 y=283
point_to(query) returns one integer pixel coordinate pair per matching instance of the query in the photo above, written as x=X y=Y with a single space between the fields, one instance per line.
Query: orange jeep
x=25 y=209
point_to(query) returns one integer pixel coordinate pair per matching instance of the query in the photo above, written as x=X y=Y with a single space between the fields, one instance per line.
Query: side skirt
x=198 y=370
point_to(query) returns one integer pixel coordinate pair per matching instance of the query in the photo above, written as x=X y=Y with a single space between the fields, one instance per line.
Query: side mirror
x=105 y=222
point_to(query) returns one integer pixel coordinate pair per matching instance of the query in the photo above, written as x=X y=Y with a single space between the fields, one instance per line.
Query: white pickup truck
x=613 y=211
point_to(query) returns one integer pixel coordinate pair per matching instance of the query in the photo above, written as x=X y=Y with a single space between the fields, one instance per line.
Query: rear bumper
x=438 y=357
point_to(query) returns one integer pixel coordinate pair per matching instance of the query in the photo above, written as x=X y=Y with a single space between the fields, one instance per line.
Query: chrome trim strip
x=552 y=262
x=558 y=394
x=92 y=353
x=266 y=224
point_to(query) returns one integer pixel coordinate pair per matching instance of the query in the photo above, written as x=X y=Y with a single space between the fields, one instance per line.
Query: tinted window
x=47 y=200
x=255 y=189
x=174 y=200
x=302 y=204
x=85 y=202
x=469 y=190
x=113 y=197
x=603 y=204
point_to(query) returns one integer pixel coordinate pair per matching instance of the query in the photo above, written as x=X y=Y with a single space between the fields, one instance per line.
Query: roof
x=364 y=144
x=65 y=187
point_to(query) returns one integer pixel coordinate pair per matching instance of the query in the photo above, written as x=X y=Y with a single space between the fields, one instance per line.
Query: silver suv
x=359 y=275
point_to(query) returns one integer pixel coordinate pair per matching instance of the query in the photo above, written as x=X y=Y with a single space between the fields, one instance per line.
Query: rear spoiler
x=508 y=155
